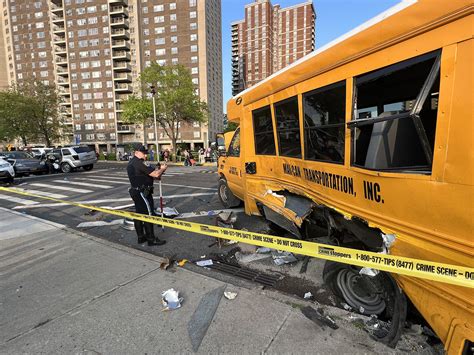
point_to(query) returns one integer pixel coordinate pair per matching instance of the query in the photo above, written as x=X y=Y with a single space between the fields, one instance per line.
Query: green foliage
x=231 y=126
x=138 y=110
x=30 y=110
x=176 y=99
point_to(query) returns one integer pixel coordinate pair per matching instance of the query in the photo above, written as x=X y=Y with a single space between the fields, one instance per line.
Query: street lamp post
x=153 y=92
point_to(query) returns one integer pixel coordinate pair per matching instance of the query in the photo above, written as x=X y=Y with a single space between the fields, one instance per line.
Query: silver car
x=71 y=158
x=7 y=173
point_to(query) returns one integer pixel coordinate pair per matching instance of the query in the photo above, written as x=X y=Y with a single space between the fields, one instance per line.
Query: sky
x=333 y=19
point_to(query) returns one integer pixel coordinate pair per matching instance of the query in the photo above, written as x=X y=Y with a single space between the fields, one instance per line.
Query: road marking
x=42 y=193
x=94 y=171
x=18 y=200
x=83 y=184
x=103 y=180
x=112 y=177
x=191 y=187
x=81 y=191
x=93 y=202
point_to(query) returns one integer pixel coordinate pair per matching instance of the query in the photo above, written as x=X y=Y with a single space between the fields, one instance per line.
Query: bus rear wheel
x=378 y=295
x=226 y=196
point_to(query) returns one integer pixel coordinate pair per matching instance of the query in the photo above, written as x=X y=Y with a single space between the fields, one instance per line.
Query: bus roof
x=404 y=20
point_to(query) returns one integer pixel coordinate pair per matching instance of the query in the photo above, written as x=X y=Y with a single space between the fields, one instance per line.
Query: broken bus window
x=288 y=127
x=263 y=131
x=395 y=115
x=324 y=123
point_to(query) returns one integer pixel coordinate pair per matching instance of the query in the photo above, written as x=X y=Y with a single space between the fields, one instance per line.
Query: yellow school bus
x=368 y=143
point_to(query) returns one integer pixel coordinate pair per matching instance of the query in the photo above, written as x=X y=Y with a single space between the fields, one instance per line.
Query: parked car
x=40 y=153
x=7 y=173
x=75 y=157
x=24 y=163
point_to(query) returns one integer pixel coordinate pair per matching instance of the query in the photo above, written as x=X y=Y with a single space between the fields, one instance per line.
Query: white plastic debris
x=99 y=223
x=388 y=239
x=308 y=295
x=346 y=306
x=281 y=258
x=368 y=271
x=170 y=299
x=230 y=295
x=263 y=250
x=207 y=262
x=167 y=212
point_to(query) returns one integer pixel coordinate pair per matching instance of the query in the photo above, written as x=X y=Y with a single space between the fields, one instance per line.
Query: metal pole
x=156 y=131
x=161 y=205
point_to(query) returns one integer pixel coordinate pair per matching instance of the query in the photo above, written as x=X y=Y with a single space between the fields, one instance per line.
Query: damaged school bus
x=368 y=143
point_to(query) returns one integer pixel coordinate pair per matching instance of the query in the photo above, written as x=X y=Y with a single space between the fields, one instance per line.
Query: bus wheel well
x=324 y=223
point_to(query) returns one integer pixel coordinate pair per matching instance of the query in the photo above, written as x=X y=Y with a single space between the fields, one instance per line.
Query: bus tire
x=378 y=295
x=226 y=196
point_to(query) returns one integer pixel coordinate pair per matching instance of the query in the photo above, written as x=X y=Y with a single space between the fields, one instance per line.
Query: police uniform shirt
x=138 y=173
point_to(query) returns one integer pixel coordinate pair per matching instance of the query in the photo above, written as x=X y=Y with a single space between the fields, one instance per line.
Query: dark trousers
x=143 y=204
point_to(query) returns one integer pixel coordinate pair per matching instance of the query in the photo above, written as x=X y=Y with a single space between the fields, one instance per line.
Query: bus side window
x=288 y=128
x=395 y=115
x=234 y=146
x=324 y=123
x=263 y=131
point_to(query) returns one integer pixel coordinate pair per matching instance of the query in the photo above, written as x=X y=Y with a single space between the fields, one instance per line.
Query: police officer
x=141 y=177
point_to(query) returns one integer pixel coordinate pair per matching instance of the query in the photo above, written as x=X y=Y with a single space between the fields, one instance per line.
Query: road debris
x=203 y=315
x=168 y=212
x=230 y=295
x=207 y=262
x=182 y=262
x=170 y=299
x=318 y=317
x=247 y=258
x=283 y=257
x=308 y=295
x=91 y=213
x=165 y=264
x=100 y=223
x=264 y=250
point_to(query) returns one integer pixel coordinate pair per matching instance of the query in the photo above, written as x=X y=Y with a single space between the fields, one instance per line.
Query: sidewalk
x=63 y=291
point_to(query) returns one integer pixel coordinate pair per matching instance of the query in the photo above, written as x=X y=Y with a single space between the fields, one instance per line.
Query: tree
x=30 y=110
x=176 y=99
x=138 y=110
x=15 y=117
x=231 y=126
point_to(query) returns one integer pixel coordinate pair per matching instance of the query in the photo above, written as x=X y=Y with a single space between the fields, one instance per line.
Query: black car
x=24 y=163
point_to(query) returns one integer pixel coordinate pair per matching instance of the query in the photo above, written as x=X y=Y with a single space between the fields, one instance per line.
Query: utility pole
x=153 y=92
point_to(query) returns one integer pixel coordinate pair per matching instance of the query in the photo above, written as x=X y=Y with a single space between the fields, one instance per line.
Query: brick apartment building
x=268 y=39
x=94 y=51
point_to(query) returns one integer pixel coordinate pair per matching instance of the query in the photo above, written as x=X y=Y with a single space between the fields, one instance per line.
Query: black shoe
x=142 y=240
x=156 y=242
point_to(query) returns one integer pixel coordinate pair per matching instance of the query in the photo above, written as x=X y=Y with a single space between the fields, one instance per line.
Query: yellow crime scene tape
x=452 y=274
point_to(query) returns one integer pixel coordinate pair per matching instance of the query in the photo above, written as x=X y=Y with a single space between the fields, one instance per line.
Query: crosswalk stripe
x=41 y=193
x=18 y=200
x=81 y=191
x=191 y=187
x=104 y=180
x=83 y=184
x=96 y=202
x=111 y=177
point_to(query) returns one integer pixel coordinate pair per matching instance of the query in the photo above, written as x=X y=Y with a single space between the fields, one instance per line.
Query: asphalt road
x=188 y=189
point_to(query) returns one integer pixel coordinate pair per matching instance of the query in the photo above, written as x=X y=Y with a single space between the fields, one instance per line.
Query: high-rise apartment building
x=94 y=51
x=268 y=39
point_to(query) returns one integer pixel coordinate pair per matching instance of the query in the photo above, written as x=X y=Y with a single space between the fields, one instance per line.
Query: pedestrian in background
x=166 y=155
x=141 y=176
x=152 y=155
